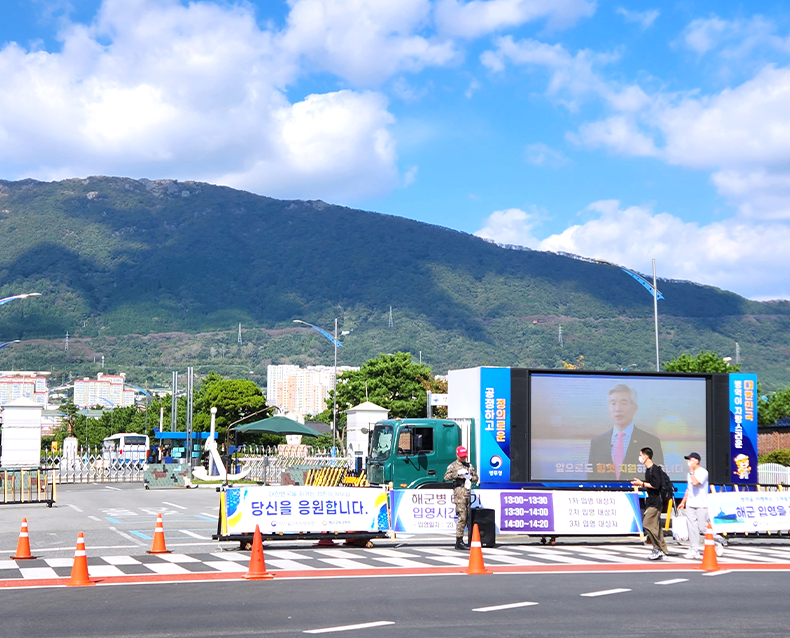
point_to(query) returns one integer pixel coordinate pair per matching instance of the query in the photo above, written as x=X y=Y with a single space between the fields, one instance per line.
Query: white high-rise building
x=301 y=390
x=32 y=385
x=106 y=390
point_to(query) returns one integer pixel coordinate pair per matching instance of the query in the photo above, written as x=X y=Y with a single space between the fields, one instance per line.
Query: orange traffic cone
x=23 y=544
x=709 y=561
x=79 y=570
x=476 y=565
x=257 y=569
x=159 y=538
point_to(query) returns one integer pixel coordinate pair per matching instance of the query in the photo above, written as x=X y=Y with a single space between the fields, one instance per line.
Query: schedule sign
x=525 y=512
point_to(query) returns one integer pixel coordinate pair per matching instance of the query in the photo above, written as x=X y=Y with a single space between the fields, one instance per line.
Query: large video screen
x=592 y=427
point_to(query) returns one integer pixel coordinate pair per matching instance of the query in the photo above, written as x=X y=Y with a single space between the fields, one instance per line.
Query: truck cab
x=411 y=453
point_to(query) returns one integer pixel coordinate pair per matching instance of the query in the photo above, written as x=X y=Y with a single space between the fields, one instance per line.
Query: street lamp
x=651 y=288
x=337 y=345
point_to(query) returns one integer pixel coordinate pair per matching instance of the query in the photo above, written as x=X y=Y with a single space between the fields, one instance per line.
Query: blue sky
x=616 y=130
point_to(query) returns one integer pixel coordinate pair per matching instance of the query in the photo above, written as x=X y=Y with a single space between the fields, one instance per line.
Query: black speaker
x=486 y=524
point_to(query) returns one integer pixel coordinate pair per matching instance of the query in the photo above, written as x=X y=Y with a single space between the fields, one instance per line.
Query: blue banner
x=495 y=409
x=743 y=428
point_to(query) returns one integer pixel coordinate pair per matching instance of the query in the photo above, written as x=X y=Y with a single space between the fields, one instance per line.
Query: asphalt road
x=115 y=517
x=729 y=604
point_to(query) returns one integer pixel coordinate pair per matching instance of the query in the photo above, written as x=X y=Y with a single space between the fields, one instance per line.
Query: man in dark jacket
x=614 y=454
x=653 y=504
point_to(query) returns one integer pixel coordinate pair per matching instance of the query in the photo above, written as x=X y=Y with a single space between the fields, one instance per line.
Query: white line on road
x=193 y=535
x=672 y=581
x=109 y=487
x=605 y=592
x=211 y=516
x=508 y=606
x=74 y=507
x=367 y=625
x=127 y=536
x=94 y=518
x=717 y=573
x=181 y=507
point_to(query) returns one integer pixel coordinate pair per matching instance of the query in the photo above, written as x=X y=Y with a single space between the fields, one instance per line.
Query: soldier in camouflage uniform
x=462 y=474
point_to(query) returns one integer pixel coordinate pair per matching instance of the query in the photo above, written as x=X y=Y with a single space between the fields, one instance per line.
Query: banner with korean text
x=738 y=512
x=495 y=411
x=743 y=428
x=521 y=512
x=293 y=509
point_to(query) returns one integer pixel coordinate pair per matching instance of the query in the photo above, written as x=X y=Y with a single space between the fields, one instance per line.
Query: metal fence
x=275 y=466
x=270 y=464
x=92 y=466
x=27 y=486
x=773 y=474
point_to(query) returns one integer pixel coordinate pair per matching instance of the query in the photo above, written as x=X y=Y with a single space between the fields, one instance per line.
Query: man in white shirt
x=695 y=503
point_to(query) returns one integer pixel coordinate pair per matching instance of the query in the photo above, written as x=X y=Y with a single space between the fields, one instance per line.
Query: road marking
x=207 y=517
x=717 y=573
x=94 y=518
x=193 y=535
x=605 y=592
x=181 y=507
x=140 y=534
x=125 y=535
x=109 y=487
x=672 y=581
x=367 y=625
x=213 y=517
x=508 y=606
x=74 y=507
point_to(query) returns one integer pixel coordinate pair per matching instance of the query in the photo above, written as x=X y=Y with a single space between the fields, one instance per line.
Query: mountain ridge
x=116 y=257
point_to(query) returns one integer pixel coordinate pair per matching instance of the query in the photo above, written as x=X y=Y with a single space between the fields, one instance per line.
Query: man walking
x=695 y=503
x=653 y=504
x=462 y=474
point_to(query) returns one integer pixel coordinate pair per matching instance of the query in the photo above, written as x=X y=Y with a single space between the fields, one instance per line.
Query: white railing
x=93 y=466
x=773 y=474
x=270 y=463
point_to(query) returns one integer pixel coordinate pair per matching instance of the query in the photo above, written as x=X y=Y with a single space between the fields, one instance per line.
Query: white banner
x=521 y=512
x=296 y=509
x=424 y=511
x=738 y=512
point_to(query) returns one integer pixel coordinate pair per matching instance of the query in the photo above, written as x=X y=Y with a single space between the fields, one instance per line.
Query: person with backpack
x=653 y=485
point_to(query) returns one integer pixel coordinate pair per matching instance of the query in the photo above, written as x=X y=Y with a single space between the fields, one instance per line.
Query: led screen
x=591 y=427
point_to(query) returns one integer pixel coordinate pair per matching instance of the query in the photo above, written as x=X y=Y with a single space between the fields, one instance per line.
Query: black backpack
x=667 y=490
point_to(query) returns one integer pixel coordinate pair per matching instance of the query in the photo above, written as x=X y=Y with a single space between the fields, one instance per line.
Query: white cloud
x=542 y=155
x=574 y=78
x=159 y=88
x=734 y=39
x=511 y=226
x=618 y=133
x=751 y=259
x=364 y=41
x=476 y=18
x=644 y=19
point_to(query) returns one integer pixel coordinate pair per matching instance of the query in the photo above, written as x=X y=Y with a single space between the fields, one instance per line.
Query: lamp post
x=337 y=345
x=652 y=289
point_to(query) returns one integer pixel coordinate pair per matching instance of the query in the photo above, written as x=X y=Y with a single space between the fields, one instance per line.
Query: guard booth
x=170 y=463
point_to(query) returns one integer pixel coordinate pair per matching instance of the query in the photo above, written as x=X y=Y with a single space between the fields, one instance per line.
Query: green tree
x=392 y=381
x=233 y=398
x=705 y=361
x=773 y=407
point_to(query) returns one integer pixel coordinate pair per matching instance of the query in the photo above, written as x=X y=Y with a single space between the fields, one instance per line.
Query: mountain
x=157 y=275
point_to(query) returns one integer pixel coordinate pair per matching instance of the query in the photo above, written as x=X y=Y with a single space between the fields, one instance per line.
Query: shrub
x=779 y=456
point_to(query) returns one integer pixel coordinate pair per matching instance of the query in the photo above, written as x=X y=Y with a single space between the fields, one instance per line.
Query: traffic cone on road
x=23 y=544
x=159 y=538
x=709 y=561
x=79 y=570
x=257 y=568
x=476 y=565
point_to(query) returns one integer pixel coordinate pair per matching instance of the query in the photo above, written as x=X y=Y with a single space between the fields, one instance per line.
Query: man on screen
x=614 y=455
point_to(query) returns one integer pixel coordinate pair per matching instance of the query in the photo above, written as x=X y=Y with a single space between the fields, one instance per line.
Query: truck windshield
x=381 y=443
